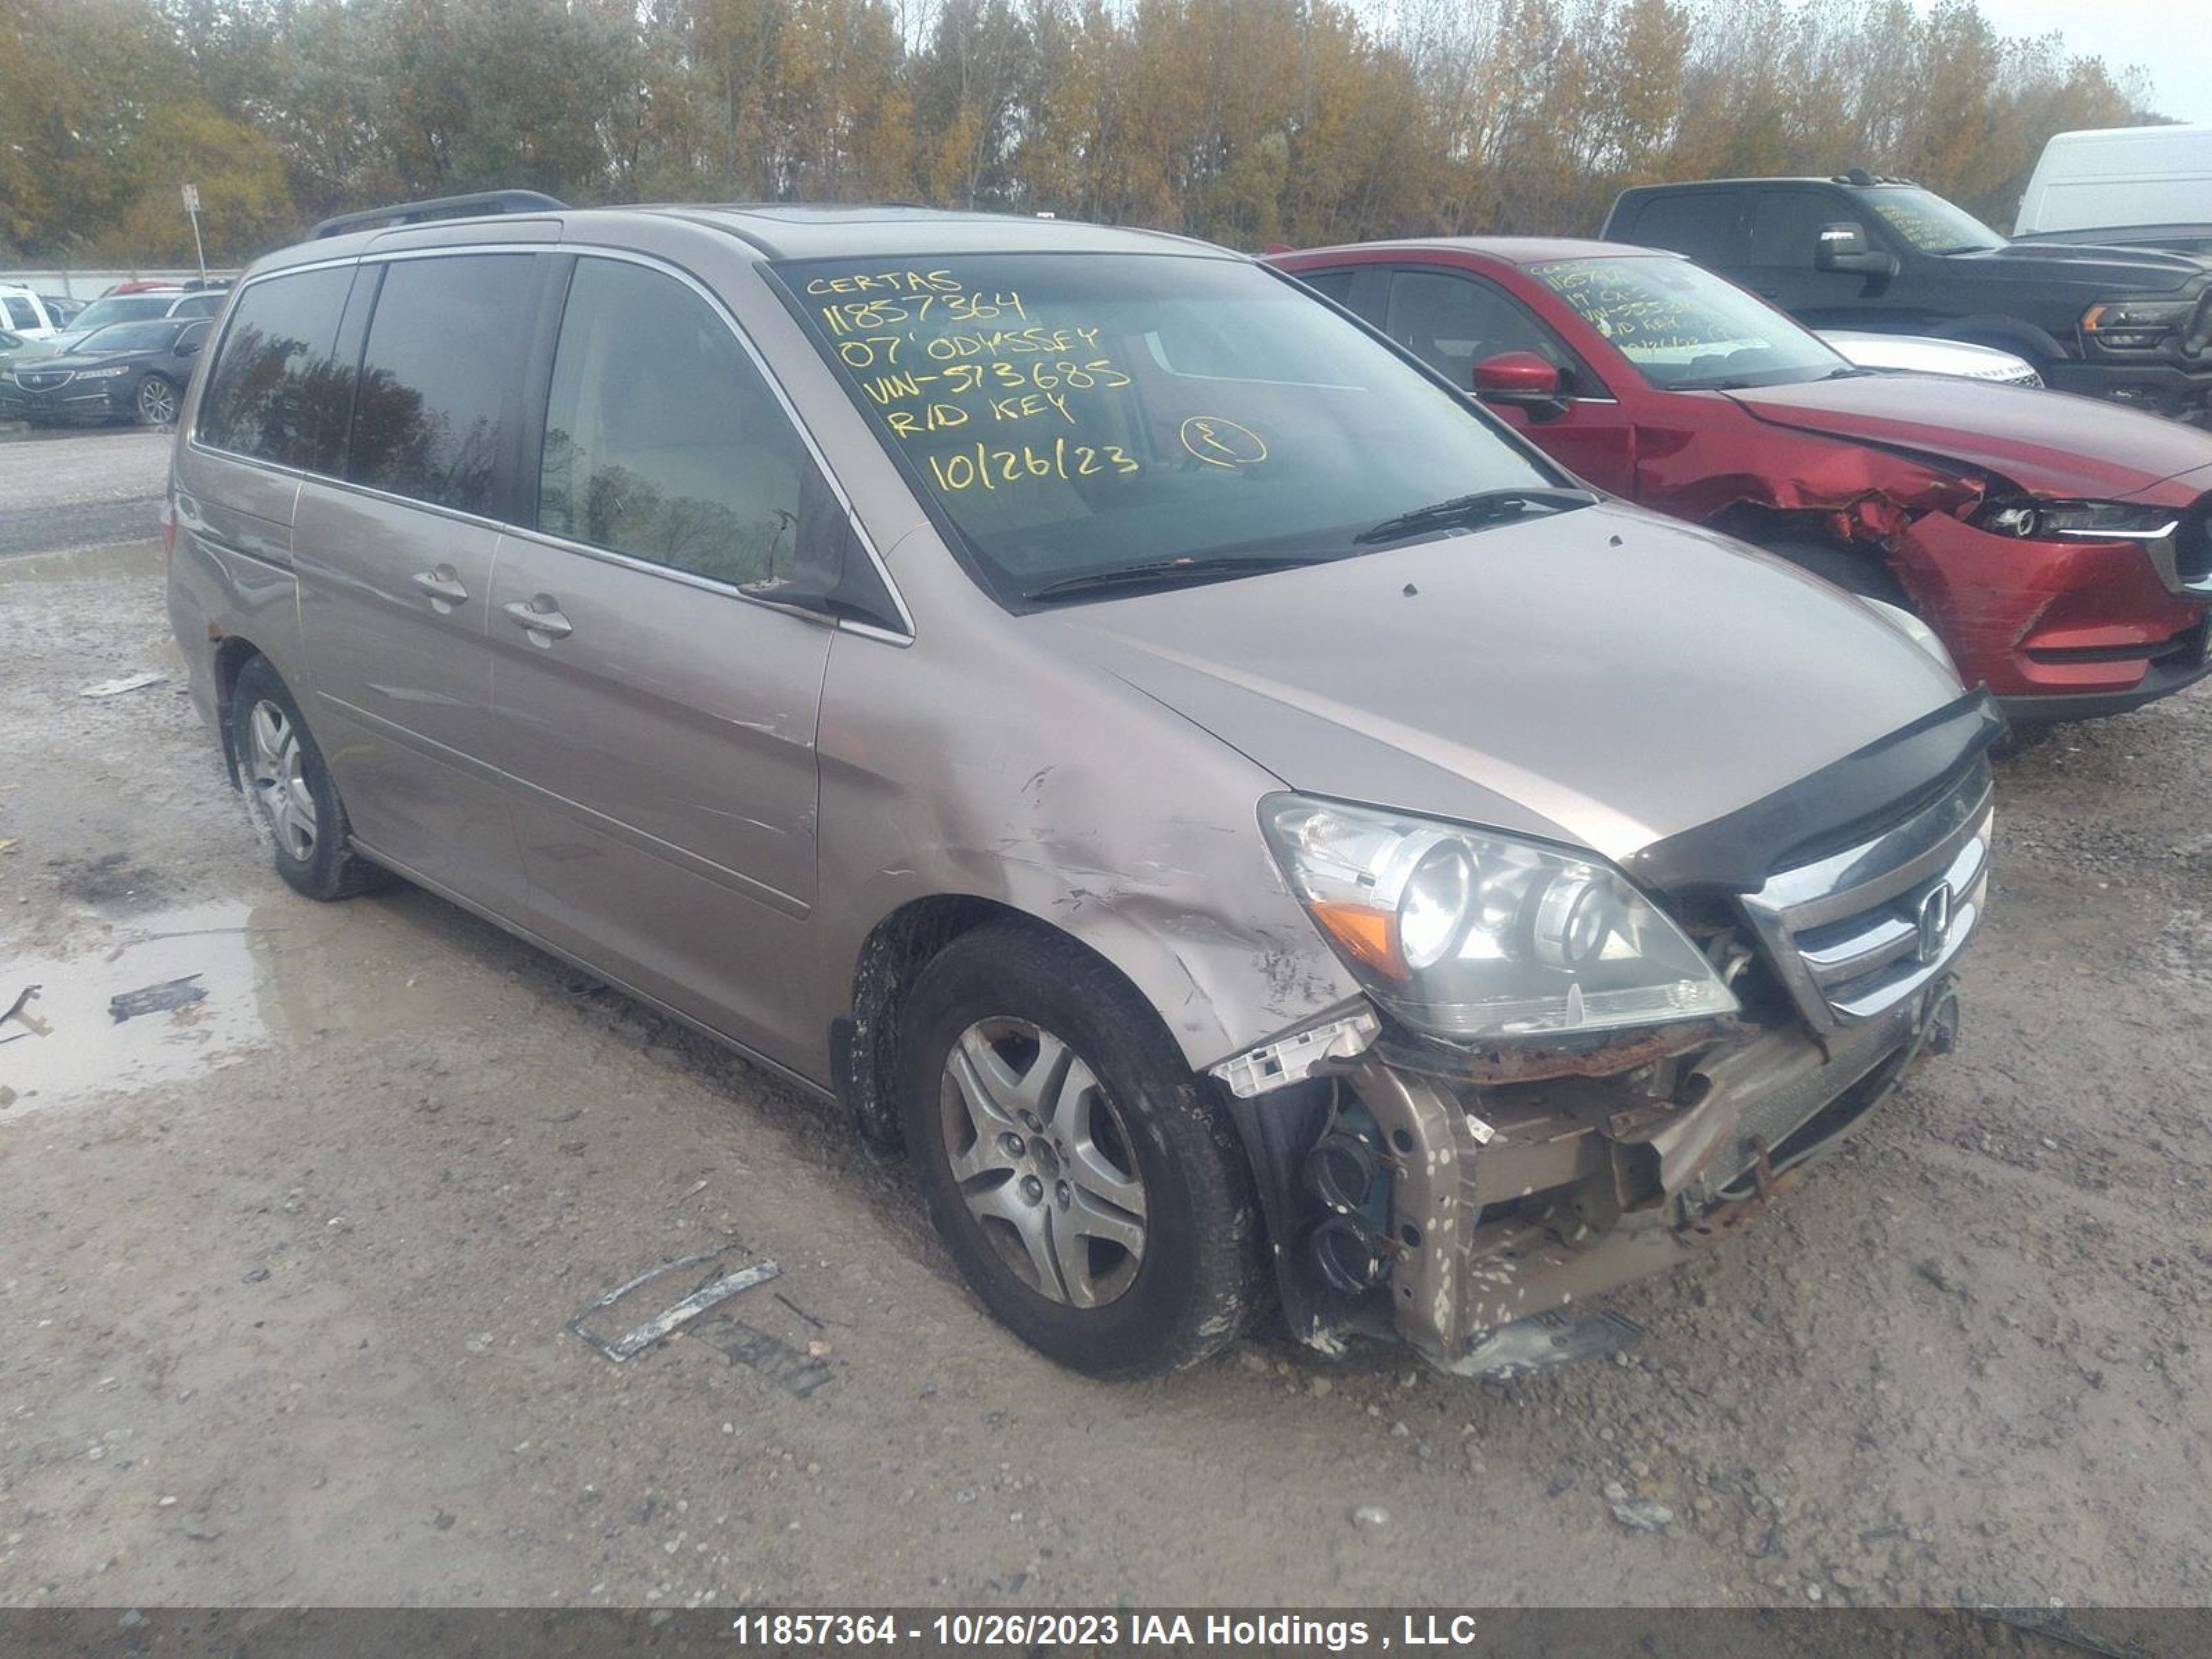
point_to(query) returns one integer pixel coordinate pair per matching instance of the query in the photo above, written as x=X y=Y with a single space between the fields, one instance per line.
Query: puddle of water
x=273 y=972
x=135 y=561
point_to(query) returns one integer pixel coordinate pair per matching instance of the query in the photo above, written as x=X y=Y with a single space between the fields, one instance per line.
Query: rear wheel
x=1083 y=1179
x=157 y=401
x=294 y=803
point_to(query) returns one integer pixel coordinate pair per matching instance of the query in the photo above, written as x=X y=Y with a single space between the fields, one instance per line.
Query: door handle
x=547 y=622
x=444 y=587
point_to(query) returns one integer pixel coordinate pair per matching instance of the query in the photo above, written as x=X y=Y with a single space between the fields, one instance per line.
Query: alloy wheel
x=157 y=401
x=276 y=771
x=1043 y=1161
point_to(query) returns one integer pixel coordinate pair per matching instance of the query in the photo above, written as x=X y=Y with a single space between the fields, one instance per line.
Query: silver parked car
x=1136 y=739
x=1919 y=354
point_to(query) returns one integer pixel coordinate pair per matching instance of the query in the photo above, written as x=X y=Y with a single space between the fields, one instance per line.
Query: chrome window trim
x=348 y=487
x=591 y=250
x=673 y=573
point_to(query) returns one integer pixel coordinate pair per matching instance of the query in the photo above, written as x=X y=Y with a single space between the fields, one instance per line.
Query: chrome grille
x=36 y=380
x=1854 y=933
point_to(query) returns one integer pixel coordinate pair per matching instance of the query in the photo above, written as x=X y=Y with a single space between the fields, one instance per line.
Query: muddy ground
x=285 y=1273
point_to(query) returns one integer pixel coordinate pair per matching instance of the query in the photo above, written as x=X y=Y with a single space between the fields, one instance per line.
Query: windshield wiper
x=1169 y=573
x=1483 y=507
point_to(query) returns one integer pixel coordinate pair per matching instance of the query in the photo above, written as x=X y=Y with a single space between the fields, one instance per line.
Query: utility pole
x=192 y=207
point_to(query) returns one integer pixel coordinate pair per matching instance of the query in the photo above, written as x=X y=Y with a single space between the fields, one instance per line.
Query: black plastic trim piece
x=1277 y=1130
x=1827 y=810
x=2163 y=680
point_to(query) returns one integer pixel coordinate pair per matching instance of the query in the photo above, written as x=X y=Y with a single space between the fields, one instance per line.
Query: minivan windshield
x=1092 y=422
x=1930 y=223
x=1686 y=330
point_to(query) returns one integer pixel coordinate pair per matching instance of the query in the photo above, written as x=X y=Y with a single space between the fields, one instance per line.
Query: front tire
x=156 y=401
x=1086 y=1182
x=290 y=793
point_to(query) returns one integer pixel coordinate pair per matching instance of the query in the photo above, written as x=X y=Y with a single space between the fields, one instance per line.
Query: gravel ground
x=285 y=1273
x=69 y=488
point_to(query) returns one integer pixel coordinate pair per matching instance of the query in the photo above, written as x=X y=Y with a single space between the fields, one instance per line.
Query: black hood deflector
x=1844 y=802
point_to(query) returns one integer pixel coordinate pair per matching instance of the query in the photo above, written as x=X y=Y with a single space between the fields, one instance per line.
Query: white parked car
x=1914 y=354
x=24 y=312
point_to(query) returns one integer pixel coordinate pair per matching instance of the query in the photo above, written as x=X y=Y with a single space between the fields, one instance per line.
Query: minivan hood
x=1603 y=677
x=2050 y=443
x=2111 y=269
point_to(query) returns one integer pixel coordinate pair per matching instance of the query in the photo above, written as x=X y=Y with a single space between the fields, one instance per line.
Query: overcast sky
x=2170 y=40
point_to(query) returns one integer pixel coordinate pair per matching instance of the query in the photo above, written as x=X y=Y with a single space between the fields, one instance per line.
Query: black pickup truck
x=1861 y=252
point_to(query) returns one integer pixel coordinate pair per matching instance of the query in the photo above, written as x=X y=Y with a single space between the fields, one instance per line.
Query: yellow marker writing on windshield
x=1218 y=442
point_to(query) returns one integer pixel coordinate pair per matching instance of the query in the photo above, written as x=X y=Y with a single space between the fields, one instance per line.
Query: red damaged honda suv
x=2060 y=547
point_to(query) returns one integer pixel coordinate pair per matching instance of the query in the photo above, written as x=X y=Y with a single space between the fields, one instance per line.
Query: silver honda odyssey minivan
x=1133 y=738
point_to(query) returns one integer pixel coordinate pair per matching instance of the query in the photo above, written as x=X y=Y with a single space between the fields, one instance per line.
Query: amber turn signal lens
x=1365 y=933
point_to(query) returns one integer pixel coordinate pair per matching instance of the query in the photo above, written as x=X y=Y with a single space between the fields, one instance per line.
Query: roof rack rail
x=438 y=207
x=1861 y=176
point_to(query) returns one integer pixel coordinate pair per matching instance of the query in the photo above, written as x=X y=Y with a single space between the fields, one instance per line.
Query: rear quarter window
x=275 y=391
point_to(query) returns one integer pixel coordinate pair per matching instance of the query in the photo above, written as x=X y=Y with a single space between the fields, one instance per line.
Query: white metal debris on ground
x=117 y=687
x=645 y=1335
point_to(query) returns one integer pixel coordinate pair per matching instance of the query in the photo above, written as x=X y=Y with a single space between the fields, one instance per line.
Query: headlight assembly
x=2077 y=521
x=100 y=374
x=2135 y=325
x=1470 y=934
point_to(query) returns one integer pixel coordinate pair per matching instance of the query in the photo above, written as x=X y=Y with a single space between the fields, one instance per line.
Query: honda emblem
x=1933 y=920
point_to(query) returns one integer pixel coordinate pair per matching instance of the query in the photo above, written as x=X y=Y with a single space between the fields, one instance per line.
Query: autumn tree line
x=1249 y=122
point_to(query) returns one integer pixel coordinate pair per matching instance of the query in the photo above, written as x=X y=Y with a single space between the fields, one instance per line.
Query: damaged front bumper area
x=1460 y=1197
x=1570 y=1187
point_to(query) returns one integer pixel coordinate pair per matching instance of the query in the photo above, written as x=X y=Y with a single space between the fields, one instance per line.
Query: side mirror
x=1846 y=247
x=830 y=573
x=188 y=348
x=1521 y=379
x=1516 y=377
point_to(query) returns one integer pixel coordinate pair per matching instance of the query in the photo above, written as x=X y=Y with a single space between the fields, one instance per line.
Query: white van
x=2137 y=186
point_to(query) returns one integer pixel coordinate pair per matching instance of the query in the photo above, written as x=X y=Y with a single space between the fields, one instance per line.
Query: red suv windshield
x=1684 y=329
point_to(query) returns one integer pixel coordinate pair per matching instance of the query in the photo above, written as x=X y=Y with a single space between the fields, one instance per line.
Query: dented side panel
x=1702 y=468
x=974 y=764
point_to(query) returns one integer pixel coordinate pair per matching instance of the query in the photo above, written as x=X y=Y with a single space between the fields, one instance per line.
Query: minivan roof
x=791 y=230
